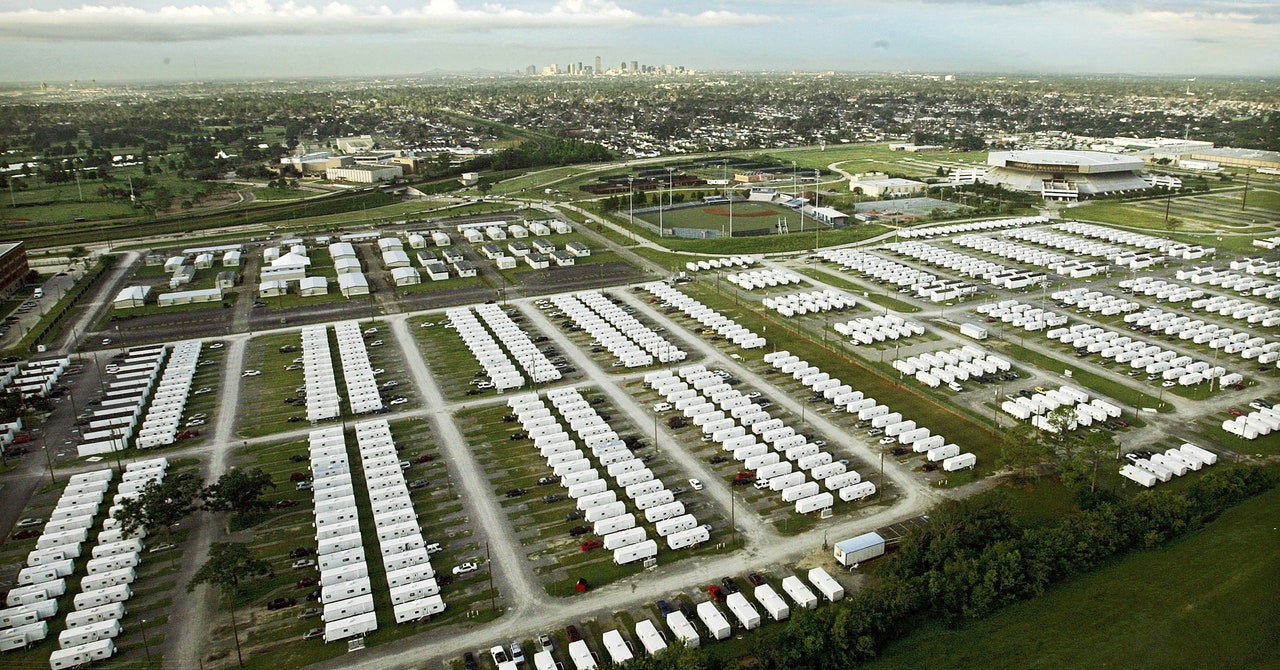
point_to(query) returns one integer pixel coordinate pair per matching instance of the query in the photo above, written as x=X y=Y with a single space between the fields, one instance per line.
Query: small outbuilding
x=854 y=550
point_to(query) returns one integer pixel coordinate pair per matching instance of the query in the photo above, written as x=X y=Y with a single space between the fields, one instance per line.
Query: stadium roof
x=1078 y=161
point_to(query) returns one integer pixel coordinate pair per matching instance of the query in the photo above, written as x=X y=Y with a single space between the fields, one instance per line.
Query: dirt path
x=192 y=616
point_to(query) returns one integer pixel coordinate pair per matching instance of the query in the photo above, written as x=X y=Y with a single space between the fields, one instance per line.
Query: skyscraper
x=598 y=70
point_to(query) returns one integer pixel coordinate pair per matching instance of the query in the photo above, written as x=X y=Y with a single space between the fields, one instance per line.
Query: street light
x=145 y=646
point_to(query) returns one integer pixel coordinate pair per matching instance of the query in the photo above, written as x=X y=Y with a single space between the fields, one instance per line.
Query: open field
x=1204 y=600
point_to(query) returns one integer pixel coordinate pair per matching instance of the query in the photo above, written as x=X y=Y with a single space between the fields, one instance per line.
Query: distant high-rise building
x=635 y=66
x=532 y=69
x=598 y=70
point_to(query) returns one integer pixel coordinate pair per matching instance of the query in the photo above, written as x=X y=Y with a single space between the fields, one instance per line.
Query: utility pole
x=1244 y=197
x=236 y=634
x=493 y=599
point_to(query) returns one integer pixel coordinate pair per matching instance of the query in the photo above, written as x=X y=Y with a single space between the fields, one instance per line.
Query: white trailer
x=95 y=614
x=635 y=552
x=617 y=648
x=80 y=655
x=799 y=593
x=90 y=632
x=614 y=524
x=350 y=627
x=624 y=538
x=772 y=602
x=714 y=621
x=1142 y=477
x=688 y=538
x=649 y=637
x=580 y=655
x=960 y=462
x=683 y=630
x=815 y=503
x=826 y=584
x=743 y=610
x=667 y=511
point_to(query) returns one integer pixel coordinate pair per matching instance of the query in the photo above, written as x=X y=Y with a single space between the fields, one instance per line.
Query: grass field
x=1204 y=600
x=746 y=216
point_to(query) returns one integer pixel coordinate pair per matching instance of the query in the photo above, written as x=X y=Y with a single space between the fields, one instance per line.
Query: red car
x=300 y=477
x=308 y=581
x=1235 y=412
x=422 y=459
x=21 y=439
x=715 y=593
x=591 y=544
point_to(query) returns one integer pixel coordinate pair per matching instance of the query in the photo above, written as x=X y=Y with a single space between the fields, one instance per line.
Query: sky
x=183 y=40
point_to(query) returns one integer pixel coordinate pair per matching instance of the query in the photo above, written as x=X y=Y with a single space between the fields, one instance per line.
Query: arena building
x=1065 y=175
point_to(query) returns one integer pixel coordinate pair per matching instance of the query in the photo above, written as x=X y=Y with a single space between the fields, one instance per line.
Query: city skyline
x=224 y=39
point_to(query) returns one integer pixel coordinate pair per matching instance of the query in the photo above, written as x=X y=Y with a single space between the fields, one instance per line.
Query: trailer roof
x=860 y=542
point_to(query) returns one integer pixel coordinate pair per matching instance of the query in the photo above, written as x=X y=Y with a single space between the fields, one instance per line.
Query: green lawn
x=1206 y=600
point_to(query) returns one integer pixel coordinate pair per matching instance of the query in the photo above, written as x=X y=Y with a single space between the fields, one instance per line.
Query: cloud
x=1250 y=11
x=246 y=18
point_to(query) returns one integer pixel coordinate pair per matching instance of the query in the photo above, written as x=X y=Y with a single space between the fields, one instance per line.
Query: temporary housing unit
x=617 y=648
x=772 y=602
x=743 y=610
x=826 y=584
x=716 y=624
x=683 y=629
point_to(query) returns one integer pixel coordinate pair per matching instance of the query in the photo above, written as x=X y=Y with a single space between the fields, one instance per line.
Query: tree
x=1084 y=460
x=228 y=563
x=238 y=491
x=159 y=505
x=1020 y=449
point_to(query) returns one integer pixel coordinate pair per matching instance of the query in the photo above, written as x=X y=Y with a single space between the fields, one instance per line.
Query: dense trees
x=975 y=557
x=543 y=153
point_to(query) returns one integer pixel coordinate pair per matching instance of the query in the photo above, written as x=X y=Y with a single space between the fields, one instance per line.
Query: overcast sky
x=59 y=40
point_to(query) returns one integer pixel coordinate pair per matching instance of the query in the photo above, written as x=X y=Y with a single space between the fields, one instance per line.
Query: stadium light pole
x=631 y=207
x=670 y=194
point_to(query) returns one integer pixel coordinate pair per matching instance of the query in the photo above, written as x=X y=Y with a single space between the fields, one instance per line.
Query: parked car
x=755 y=579
x=516 y=493
x=281 y=603
x=26 y=533
x=730 y=585
x=544 y=641
x=695 y=484
x=313 y=634
x=307 y=582
x=591 y=544
x=715 y=592
x=572 y=632
x=310 y=612
x=301 y=552
x=304 y=563
x=29 y=522
x=465 y=568
x=580 y=530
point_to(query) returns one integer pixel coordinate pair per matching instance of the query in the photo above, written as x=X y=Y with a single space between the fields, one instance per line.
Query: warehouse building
x=365 y=174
